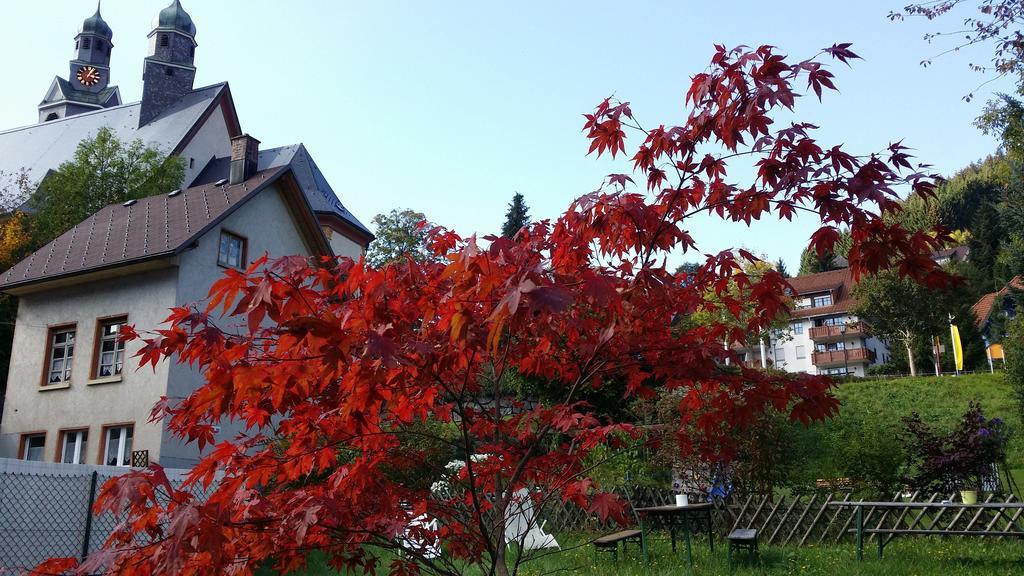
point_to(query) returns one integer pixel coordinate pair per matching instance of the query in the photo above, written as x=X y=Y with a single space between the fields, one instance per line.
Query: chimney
x=245 y=158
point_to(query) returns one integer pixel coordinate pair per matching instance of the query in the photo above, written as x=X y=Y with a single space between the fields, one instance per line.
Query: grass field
x=907 y=557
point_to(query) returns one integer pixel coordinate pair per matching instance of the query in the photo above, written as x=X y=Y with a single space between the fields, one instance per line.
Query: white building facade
x=824 y=336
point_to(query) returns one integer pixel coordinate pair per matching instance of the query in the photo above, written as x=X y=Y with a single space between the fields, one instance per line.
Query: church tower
x=169 y=71
x=88 y=84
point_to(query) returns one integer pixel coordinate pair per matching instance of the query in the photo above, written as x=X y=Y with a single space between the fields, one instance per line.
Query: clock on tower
x=88 y=76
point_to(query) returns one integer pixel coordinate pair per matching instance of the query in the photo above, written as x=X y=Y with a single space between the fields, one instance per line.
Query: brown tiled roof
x=839 y=282
x=149 y=228
x=982 y=309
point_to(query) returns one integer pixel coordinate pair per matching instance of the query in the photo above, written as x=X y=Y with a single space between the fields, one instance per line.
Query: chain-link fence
x=45 y=511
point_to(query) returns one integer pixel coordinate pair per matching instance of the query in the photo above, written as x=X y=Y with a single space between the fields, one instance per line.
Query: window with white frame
x=73 y=447
x=780 y=354
x=62 y=351
x=118 y=446
x=801 y=352
x=232 y=251
x=110 y=359
x=32 y=446
x=820 y=301
x=797 y=327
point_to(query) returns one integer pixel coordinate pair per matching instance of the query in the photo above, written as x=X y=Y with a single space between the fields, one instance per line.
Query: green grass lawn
x=941 y=401
x=879 y=406
x=904 y=557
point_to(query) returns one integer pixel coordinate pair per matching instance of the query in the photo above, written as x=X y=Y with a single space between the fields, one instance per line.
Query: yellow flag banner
x=958 y=351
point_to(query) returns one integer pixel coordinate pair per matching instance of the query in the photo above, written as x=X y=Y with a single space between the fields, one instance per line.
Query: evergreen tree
x=780 y=267
x=812 y=263
x=516 y=217
x=986 y=237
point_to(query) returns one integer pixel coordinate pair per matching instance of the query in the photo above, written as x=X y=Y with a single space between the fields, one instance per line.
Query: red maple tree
x=359 y=386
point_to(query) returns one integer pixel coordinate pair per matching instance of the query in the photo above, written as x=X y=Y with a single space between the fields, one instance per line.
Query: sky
x=449 y=108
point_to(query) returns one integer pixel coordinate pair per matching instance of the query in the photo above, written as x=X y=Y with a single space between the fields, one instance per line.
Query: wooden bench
x=893 y=532
x=610 y=542
x=743 y=539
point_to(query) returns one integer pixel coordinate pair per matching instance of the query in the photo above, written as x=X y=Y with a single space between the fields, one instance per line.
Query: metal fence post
x=88 y=515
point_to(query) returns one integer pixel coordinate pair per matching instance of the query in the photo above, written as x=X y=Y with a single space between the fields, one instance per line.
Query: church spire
x=169 y=71
x=88 y=84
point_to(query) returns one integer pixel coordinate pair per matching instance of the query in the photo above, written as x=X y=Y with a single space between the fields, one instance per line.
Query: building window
x=168 y=71
x=164 y=40
x=232 y=251
x=191 y=163
x=841 y=371
x=32 y=446
x=52 y=116
x=797 y=327
x=831 y=347
x=73 y=446
x=780 y=354
x=801 y=352
x=109 y=348
x=61 y=354
x=86 y=42
x=820 y=301
x=834 y=321
x=118 y=450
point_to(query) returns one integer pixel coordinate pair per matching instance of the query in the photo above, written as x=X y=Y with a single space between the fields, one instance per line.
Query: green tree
x=812 y=263
x=986 y=237
x=1013 y=348
x=903 y=312
x=400 y=233
x=516 y=217
x=104 y=170
x=780 y=267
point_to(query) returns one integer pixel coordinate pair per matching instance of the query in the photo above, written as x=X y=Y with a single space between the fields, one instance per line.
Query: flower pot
x=682 y=500
x=969 y=496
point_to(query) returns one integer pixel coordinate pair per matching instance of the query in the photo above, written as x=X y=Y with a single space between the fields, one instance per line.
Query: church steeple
x=93 y=45
x=169 y=70
x=88 y=84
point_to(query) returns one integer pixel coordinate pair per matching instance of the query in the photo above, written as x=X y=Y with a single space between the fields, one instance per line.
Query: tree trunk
x=910 y=357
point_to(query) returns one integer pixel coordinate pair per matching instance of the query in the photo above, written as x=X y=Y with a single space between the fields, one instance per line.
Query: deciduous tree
x=400 y=234
x=104 y=171
x=336 y=366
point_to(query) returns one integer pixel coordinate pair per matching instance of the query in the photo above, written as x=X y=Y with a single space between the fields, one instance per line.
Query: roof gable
x=319 y=193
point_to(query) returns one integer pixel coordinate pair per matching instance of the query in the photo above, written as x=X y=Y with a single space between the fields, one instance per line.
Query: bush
x=960 y=459
x=872 y=456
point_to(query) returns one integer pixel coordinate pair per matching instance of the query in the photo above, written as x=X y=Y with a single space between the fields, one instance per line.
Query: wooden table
x=682 y=515
x=1000 y=508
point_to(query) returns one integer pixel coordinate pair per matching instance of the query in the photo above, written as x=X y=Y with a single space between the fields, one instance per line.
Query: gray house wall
x=84 y=403
x=266 y=224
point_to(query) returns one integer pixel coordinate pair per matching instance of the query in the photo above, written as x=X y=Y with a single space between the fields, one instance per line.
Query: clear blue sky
x=450 y=107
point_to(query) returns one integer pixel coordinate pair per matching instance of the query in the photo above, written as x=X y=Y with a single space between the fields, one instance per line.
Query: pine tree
x=780 y=267
x=986 y=236
x=516 y=217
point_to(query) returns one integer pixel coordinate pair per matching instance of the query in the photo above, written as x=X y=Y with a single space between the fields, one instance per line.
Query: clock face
x=88 y=76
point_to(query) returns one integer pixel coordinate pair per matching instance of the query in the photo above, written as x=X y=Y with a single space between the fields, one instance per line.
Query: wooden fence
x=802 y=520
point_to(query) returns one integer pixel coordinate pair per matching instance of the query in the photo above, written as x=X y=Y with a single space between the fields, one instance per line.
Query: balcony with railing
x=843 y=357
x=837 y=332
